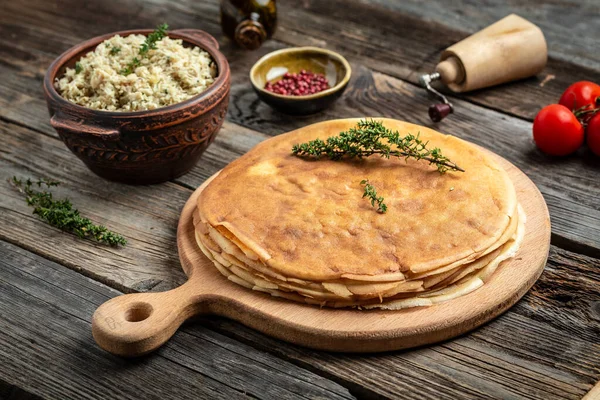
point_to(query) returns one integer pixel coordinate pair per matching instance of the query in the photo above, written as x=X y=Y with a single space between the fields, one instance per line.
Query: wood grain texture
x=46 y=348
x=569 y=185
x=384 y=39
x=545 y=347
x=593 y=394
x=146 y=215
x=11 y=392
x=137 y=324
x=513 y=357
x=561 y=21
x=405 y=46
x=562 y=305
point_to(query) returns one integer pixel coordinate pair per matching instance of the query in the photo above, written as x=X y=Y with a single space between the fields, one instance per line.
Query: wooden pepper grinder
x=510 y=49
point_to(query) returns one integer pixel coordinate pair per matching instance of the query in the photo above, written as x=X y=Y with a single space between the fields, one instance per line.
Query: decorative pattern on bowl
x=146 y=146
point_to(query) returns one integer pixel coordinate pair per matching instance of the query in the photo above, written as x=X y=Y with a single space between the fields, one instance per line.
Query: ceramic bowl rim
x=68 y=55
x=338 y=86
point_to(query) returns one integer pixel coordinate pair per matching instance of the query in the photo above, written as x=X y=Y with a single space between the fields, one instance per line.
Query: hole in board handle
x=138 y=312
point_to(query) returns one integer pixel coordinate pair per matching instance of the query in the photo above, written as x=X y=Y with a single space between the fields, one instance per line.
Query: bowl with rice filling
x=139 y=106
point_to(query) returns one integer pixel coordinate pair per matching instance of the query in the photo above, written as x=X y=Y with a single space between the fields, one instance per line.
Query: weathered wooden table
x=546 y=347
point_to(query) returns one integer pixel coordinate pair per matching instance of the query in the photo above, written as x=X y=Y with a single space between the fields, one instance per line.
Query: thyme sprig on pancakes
x=61 y=214
x=370 y=137
x=371 y=194
x=149 y=44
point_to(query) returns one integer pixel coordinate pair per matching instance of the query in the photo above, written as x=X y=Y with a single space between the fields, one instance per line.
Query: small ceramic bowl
x=141 y=147
x=272 y=66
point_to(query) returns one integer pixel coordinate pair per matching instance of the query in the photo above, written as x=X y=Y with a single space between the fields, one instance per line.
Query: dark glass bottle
x=249 y=22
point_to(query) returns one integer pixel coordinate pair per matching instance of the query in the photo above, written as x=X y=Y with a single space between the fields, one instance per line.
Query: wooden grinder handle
x=135 y=324
x=451 y=71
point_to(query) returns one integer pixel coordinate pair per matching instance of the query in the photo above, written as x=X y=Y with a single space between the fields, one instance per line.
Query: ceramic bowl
x=272 y=66
x=141 y=147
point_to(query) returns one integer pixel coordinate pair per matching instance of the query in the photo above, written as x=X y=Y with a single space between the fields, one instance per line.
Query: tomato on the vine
x=593 y=134
x=581 y=94
x=557 y=131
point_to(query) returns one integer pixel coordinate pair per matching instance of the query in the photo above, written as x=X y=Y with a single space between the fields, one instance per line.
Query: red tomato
x=557 y=131
x=593 y=134
x=580 y=94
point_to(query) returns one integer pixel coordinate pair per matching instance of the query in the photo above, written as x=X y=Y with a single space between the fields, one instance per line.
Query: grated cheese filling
x=168 y=75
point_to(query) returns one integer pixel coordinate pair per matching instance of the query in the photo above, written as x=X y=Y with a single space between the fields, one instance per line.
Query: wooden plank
x=569 y=185
x=406 y=46
x=11 y=392
x=593 y=394
x=146 y=215
x=381 y=38
x=46 y=348
x=365 y=378
x=561 y=308
x=397 y=40
x=546 y=347
x=325 y=329
x=566 y=24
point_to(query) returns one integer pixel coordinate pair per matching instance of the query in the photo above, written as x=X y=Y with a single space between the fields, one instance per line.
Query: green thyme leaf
x=149 y=44
x=371 y=194
x=78 y=67
x=61 y=214
x=370 y=137
x=115 y=50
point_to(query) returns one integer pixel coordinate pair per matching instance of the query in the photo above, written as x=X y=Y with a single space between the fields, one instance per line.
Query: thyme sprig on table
x=61 y=214
x=370 y=137
x=149 y=44
x=371 y=194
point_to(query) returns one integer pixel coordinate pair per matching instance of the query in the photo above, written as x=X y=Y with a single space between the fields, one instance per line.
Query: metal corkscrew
x=438 y=111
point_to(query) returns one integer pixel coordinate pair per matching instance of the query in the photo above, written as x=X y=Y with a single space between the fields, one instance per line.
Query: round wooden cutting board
x=135 y=324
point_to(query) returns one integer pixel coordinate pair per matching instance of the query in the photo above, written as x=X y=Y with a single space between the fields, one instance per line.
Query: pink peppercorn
x=299 y=84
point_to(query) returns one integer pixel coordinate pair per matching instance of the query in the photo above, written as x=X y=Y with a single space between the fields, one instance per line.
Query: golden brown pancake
x=305 y=219
x=347 y=293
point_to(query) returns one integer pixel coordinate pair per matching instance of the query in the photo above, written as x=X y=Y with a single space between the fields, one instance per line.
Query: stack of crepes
x=299 y=229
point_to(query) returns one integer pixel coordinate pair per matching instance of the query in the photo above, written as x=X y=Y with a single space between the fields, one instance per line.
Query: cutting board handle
x=135 y=324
